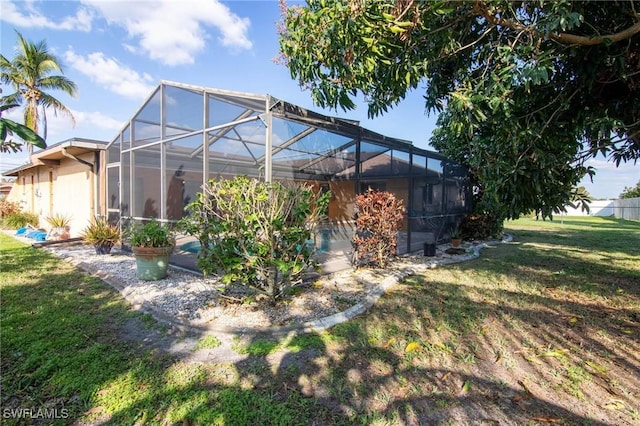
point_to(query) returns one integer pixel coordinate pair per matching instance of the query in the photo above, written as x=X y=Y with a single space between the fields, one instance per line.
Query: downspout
x=93 y=180
x=97 y=185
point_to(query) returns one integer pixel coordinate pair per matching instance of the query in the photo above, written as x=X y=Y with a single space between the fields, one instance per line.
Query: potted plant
x=102 y=234
x=456 y=237
x=152 y=245
x=60 y=229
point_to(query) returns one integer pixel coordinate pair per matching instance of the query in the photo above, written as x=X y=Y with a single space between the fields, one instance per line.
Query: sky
x=118 y=51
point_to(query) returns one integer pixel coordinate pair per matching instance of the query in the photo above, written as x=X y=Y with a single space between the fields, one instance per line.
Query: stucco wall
x=67 y=189
x=73 y=193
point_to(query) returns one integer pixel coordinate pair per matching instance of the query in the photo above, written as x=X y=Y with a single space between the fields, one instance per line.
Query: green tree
x=582 y=198
x=526 y=92
x=9 y=128
x=30 y=73
x=629 y=192
x=256 y=232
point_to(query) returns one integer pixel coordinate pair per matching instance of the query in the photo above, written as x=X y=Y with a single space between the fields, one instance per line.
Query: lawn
x=542 y=330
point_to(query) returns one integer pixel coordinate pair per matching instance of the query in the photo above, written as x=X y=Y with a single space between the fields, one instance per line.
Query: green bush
x=20 y=220
x=379 y=216
x=151 y=234
x=486 y=221
x=255 y=232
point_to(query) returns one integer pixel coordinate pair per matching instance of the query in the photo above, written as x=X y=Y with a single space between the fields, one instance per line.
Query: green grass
x=61 y=348
x=543 y=329
x=207 y=342
x=259 y=347
x=264 y=347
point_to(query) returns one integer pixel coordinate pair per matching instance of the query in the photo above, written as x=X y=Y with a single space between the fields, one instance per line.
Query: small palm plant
x=102 y=234
x=456 y=237
x=60 y=229
x=59 y=220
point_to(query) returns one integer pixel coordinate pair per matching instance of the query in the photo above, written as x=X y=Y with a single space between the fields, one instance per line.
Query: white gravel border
x=179 y=299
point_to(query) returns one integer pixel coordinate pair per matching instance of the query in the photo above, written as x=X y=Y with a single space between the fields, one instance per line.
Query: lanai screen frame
x=295 y=144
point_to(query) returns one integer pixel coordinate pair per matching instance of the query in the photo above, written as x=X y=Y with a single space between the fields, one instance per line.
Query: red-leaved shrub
x=8 y=207
x=379 y=216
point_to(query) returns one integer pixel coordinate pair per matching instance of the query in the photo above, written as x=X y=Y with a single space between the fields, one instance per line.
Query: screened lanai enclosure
x=184 y=135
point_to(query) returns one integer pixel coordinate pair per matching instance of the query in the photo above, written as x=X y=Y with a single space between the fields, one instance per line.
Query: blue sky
x=118 y=51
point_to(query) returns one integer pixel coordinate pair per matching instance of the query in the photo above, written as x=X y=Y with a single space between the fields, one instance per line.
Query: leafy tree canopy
x=526 y=92
x=631 y=192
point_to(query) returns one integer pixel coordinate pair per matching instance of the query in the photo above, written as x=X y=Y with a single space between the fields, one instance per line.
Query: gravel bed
x=198 y=300
x=181 y=294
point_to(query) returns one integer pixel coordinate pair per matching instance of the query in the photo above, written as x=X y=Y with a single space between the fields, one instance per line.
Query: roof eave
x=40 y=158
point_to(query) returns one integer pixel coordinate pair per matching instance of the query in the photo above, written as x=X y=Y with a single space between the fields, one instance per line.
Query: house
x=5 y=189
x=184 y=135
x=66 y=178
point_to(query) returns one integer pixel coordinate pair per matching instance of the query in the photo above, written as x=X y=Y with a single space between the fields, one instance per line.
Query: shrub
x=100 y=231
x=21 y=219
x=7 y=208
x=486 y=221
x=58 y=220
x=255 y=232
x=631 y=192
x=379 y=215
x=151 y=234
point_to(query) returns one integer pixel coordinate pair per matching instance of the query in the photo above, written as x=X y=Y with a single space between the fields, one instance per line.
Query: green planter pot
x=152 y=262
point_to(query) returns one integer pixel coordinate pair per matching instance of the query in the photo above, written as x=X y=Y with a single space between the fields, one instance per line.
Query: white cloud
x=30 y=17
x=89 y=124
x=14 y=114
x=173 y=32
x=111 y=74
x=97 y=119
x=61 y=123
x=599 y=164
x=60 y=127
x=56 y=123
x=130 y=48
x=12 y=160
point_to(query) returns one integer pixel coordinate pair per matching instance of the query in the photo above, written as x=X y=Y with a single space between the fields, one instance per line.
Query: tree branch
x=575 y=92
x=564 y=38
x=460 y=49
x=567 y=38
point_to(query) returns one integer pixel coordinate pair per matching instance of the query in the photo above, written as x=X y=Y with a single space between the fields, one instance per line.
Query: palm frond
x=59 y=82
x=48 y=101
x=32 y=74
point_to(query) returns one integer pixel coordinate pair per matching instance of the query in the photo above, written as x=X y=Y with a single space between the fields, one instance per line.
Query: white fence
x=628 y=208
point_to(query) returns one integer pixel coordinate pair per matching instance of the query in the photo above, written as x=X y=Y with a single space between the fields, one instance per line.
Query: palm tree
x=30 y=75
x=10 y=127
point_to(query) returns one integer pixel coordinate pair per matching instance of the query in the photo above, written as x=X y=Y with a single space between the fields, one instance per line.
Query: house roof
x=5 y=187
x=301 y=141
x=54 y=153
